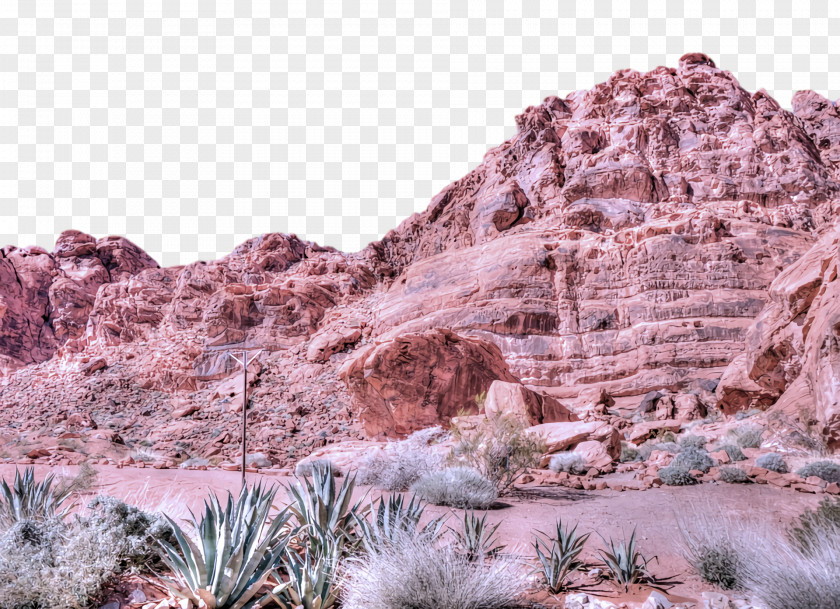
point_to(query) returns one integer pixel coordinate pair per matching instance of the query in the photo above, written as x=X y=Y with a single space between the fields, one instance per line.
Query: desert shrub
x=305 y=469
x=84 y=480
x=648 y=447
x=628 y=453
x=693 y=441
x=571 y=463
x=693 y=458
x=559 y=555
x=733 y=475
x=812 y=525
x=711 y=546
x=400 y=464
x=53 y=564
x=827 y=470
x=747 y=436
x=773 y=462
x=27 y=499
x=132 y=533
x=780 y=575
x=418 y=574
x=733 y=452
x=500 y=447
x=676 y=476
x=716 y=565
x=459 y=487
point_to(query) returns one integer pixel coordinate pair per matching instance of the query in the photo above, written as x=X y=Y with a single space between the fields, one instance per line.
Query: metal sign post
x=245 y=362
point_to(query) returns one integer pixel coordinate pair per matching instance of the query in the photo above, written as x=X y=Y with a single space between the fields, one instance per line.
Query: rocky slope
x=663 y=230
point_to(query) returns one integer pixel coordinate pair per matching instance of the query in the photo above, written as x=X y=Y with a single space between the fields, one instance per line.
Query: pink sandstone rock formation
x=659 y=232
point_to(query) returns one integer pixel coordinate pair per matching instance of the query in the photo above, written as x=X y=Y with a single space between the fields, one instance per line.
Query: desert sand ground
x=654 y=513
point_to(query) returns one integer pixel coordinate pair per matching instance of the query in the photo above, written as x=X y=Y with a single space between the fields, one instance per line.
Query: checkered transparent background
x=190 y=126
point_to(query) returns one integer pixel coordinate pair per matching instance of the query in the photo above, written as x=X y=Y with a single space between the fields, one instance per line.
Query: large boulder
x=421 y=379
x=564 y=436
x=506 y=398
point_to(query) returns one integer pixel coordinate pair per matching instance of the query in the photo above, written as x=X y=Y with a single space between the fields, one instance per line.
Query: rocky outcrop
x=46 y=298
x=623 y=242
x=420 y=380
x=792 y=357
x=532 y=408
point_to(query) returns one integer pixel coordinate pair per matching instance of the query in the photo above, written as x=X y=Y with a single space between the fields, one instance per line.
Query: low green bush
x=693 y=441
x=693 y=459
x=827 y=470
x=747 y=436
x=813 y=525
x=676 y=476
x=773 y=462
x=733 y=452
x=733 y=475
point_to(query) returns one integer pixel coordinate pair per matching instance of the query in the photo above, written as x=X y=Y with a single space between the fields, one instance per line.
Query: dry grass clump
x=747 y=436
x=570 y=463
x=733 y=452
x=51 y=561
x=414 y=573
x=773 y=462
x=780 y=575
x=693 y=459
x=778 y=569
x=51 y=564
x=694 y=441
x=713 y=545
x=827 y=470
x=458 y=487
x=733 y=475
x=400 y=464
x=812 y=525
x=676 y=476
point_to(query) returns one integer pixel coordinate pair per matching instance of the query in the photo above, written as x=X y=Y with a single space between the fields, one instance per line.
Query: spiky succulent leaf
x=234 y=551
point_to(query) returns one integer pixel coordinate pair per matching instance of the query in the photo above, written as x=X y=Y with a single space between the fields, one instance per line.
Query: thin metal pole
x=244 y=409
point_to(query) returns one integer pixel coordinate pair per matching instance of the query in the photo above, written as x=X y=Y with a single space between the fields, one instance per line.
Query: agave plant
x=312 y=582
x=30 y=500
x=392 y=519
x=326 y=514
x=559 y=556
x=625 y=563
x=476 y=539
x=234 y=551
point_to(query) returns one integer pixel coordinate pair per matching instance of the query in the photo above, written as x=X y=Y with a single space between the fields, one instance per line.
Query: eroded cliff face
x=626 y=239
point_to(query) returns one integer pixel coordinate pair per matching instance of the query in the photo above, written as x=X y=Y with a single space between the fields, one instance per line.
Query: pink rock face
x=623 y=241
x=420 y=380
x=792 y=357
